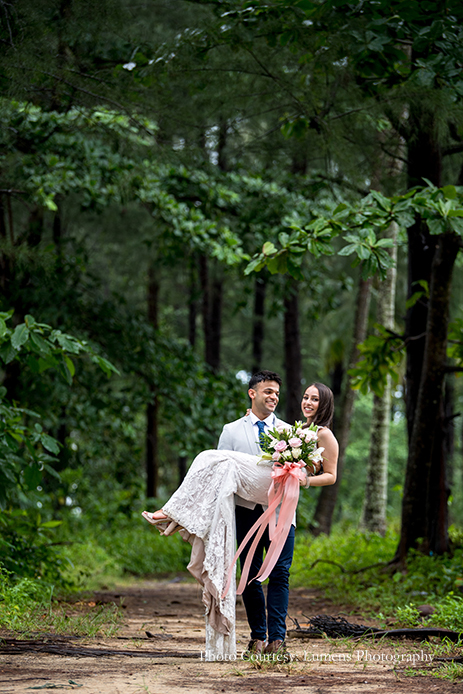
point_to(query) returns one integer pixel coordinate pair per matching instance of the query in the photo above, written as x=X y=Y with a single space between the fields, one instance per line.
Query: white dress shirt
x=269 y=424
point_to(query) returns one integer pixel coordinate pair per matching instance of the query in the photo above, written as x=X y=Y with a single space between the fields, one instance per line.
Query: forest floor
x=173 y=663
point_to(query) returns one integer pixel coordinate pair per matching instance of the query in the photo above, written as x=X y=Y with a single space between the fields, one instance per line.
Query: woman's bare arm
x=327 y=440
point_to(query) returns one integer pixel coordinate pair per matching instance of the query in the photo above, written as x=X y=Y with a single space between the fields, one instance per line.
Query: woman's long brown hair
x=325 y=412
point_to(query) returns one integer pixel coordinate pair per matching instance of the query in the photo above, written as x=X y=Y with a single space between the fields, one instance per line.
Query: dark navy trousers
x=278 y=585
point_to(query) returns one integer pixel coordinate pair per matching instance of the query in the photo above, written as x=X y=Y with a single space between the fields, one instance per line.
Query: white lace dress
x=205 y=508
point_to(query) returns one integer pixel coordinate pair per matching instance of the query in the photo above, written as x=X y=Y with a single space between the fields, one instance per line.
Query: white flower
x=317 y=455
x=287 y=455
x=297 y=453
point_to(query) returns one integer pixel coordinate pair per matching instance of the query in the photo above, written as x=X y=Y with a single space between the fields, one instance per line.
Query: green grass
x=28 y=606
x=338 y=565
x=444 y=671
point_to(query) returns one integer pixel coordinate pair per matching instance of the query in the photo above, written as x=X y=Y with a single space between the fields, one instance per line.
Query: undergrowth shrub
x=125 y=545
x=29 y=546
x=339 y=566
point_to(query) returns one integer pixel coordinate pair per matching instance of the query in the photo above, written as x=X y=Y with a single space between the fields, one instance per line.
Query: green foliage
x=408 y=616
x=441 y=208
x=381 y=356
x=345 y=566
x=41 y=347
x=50 y=155
x=25 y=449
x=105 y=552
x=455 y=343
x=448 y=671
x=449 y=613
x=361 y=224
x=145 y=552
x=370 y=33
x=26 y=547
x=27 y=607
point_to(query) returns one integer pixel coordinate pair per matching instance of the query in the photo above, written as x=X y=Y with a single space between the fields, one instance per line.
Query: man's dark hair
x=262 y=376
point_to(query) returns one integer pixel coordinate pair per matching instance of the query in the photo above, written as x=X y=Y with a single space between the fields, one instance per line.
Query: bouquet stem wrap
x=284 y=489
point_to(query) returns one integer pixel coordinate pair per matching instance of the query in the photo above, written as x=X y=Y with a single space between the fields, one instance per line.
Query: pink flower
x=282 y=427
x=295 y=442
x=310 y=435
x=281 y=446
x=276 y=456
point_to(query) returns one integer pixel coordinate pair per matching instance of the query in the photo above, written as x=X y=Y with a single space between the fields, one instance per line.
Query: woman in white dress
x=203 y=511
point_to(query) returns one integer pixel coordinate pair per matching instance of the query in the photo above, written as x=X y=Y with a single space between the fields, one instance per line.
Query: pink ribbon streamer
x=285 y=489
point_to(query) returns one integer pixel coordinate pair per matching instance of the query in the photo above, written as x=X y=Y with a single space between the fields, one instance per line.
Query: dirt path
x=171 y=612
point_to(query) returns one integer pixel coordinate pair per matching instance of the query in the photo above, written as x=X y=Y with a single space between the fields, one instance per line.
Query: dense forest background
x=191 y=191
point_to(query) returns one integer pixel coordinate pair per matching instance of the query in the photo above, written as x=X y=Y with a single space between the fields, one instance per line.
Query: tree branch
x=397 y=124
x=98 y=97
x=392 y=155
x=454 y=149
x=276 y=80
x=339 y=180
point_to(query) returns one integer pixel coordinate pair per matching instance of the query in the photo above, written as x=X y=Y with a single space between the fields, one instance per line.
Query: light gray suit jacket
x=240 y=436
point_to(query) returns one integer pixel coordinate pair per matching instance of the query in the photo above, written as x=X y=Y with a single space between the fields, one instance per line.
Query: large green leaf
x=32 y=476
x=50 y=443
x=20 y=336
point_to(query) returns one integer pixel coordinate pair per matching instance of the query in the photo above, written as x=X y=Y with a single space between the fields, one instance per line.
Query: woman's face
x=310 y=403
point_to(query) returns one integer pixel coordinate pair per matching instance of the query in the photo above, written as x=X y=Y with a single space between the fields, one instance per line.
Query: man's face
x=264 y=398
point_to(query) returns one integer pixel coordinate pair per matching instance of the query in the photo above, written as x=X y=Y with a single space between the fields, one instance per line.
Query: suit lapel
x=250 y=436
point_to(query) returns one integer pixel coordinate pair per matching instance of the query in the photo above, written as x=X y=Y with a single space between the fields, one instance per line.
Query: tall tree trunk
x=293 y=364
x=336 y=371
x=205 y=303
x=449 y=427
x=424 y=506
x=213 y=357
x=182 y=461
x=323 y=516
x=212 y=294
x=431 y=258
x=152 y=410
x=192 y=305
x=192 y=315
x=260 y=286
x=375 y=503
x=221 y=145
x=421 y=247
x=424 y=159
x=4 y=261
x=58 y=231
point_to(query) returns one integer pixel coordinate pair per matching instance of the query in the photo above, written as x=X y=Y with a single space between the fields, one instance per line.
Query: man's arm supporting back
x=225 y=440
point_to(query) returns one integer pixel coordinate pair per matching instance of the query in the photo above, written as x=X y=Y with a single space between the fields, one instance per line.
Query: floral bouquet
x=290 y=450
x=293 y=444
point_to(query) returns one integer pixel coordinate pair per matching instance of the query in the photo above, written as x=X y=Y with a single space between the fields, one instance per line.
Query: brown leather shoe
x=277 y=649
x=255 y=647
